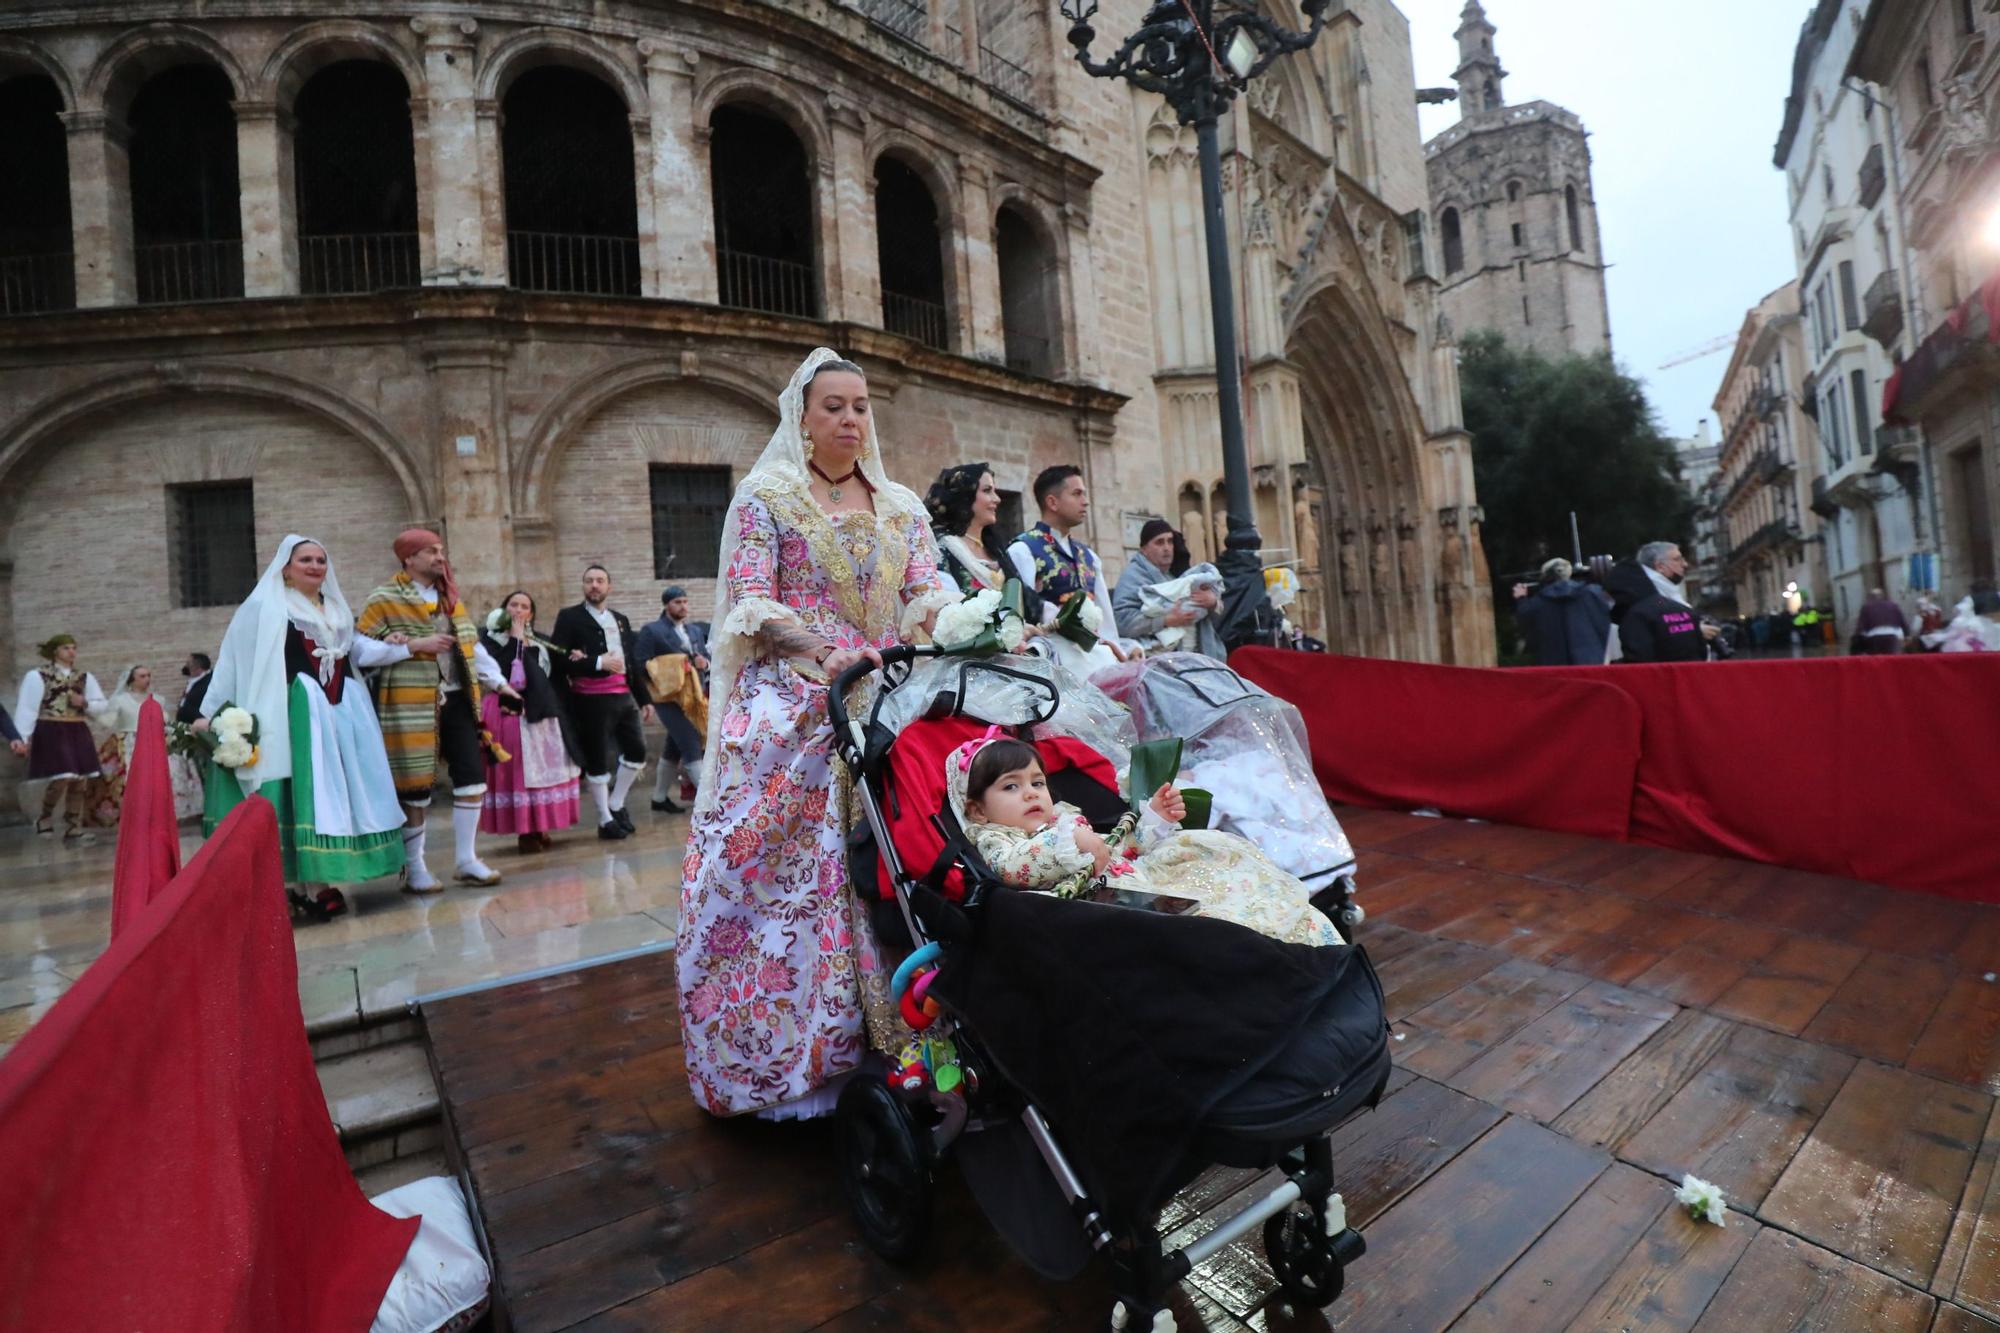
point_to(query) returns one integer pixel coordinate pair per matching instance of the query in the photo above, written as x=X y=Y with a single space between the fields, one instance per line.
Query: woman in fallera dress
x=534 y=793
x=825 y=562
x=290 y=659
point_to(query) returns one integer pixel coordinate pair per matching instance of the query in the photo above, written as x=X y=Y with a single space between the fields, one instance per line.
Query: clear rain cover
x=1015 y=690
x=1244 y=746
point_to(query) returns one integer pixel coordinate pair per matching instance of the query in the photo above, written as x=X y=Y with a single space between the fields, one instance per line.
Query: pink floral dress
x=780 y=982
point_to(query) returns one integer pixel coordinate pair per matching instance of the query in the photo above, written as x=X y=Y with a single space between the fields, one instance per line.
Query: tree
x=1554 y=436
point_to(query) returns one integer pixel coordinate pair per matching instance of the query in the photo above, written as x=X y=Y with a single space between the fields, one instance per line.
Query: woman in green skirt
x=290 y=659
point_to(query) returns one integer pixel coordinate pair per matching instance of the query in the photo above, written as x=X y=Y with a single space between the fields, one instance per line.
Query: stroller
x=1073 y=1140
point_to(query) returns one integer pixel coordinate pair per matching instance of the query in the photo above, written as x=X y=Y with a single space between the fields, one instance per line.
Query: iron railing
x=916 y=317
x=30 y=284
x=908 y=19
x=1005 y=76
x=1882 y=308
x=546 y=261
x=358 y=262
x=1028 y=353
x=775 y=286
x=189 y=271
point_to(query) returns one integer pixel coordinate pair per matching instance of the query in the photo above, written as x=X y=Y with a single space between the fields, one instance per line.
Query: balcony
x=1778 y=532
x=30 y=284
x=544 y=261
x=1823 y=503
x=1837 y=224
x=1809 y=395
x=1874 y=177
x=1772 y=466
x=914 y=317
x=1767 y=403
x=1011 y=80
x=176 y=271
x=775 y=286
x=338 y=265
x=908 y=19
x=1897 y=446
x=1850 y=484
x=1882 y=309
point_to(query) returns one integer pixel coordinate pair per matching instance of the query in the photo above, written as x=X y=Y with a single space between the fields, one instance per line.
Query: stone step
x=383 y=1102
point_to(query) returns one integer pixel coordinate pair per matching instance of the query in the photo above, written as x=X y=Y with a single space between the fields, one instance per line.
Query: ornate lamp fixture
x=1198 y=55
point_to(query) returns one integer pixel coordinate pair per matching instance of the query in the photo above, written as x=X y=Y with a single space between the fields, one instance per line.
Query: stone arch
x=144 y=52
x=312 y=48
x=540 y=46
x=1043 y=219
x=929 y=161
x=549 y=438
x=25 y=441
x=769 y=93
x=21 y=56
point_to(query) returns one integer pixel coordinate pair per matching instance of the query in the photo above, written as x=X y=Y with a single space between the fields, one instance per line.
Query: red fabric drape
x=1878 y=768
x=166 y=1161
x=1497 y=745
x=149 y=839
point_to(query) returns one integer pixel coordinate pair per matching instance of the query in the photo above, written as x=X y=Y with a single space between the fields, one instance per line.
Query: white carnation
x=965 y=621
x=233 y=753
x=1013 y=634
x=233 y=721
x=1702 y=1200
x=1088 y=615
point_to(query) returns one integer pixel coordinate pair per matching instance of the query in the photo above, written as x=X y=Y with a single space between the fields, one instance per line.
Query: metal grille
x=1007 y=78
x=190 y=271
x=332 y=265
x=914 y=317
x=542 y=261
x=755 y=282
x=32 y=283
x=906 y=18
x=212 y=542
x=689 y=505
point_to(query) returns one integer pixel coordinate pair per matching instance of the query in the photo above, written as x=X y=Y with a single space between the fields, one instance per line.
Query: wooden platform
x=1579 y=1023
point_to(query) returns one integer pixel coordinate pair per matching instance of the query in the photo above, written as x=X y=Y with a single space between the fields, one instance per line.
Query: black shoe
x=667 y=807
x=612 y=831
x=624 y=818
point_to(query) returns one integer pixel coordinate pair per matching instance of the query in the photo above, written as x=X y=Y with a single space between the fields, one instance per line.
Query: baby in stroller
x=999 y=791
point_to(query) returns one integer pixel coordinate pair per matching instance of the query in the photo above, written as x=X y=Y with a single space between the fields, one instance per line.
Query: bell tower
x=1479 y=74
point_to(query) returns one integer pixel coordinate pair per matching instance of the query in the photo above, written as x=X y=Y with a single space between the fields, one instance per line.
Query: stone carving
x=1221 y=531
x=1378 y=558
x=1195 y=533
x=1964 y=117
x=1409 y=553
x=1305 y=526
x=1350 y=565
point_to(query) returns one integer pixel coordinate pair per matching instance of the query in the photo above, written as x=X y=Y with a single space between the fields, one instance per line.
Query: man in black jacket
x=608 y=707
x=197 y=669
x=1566 y=622
x=1655 y=624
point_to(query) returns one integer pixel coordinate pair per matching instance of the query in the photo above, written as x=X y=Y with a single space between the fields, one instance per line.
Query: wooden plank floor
x=1578 y=1023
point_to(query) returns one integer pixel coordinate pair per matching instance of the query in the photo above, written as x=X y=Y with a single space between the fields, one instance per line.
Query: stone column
x=468 y=394
x=643 y=205
x=683 y=213
x=456 y=171
x=853 y=262
x=968 y=36
x=492 y=191
x=268 y=193
x=100 y=207
x=1081 y=362
x=981 y=329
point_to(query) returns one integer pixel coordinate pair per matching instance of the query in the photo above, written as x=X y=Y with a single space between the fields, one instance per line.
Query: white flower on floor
x=965 y=621
x=233 y=721
x=1702 y=1200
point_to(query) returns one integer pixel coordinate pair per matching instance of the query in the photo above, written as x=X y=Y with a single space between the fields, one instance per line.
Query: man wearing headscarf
x=429 y=704
x=55 y=698
x=673 y=634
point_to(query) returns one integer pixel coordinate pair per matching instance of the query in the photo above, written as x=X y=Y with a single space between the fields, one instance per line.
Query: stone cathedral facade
x=535 y=272
x=1519 y=248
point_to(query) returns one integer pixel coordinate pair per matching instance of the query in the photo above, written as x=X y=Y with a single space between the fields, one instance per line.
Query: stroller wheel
x=883 y=1170
x=1302 y=1258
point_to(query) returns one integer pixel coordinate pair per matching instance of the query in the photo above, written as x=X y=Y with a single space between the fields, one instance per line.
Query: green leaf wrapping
x=1154 y=764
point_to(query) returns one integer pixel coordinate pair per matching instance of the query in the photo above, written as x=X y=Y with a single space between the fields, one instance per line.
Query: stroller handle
x=848 y=735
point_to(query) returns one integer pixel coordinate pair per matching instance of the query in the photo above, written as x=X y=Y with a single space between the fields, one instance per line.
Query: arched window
x=1027 y=293
x=1575 y=216
x=763 y=214
x=910 y=250
x=1513 y=192
x=571 y=185
x=37 y=268
x=357 y=180
x=187 y=216
x=1454 y=242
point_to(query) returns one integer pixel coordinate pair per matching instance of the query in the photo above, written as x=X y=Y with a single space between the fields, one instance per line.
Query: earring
x=806 y=436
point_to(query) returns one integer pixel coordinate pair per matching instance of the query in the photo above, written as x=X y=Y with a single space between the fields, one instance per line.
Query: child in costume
x=1000 y=793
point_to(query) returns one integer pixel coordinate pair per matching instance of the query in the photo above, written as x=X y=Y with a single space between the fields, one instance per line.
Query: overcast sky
x=1683 y=104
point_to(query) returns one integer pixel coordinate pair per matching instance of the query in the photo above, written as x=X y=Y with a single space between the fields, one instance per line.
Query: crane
x=1709 y=348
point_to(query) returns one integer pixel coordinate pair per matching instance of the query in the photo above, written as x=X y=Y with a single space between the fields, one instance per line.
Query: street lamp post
x=1198 y=62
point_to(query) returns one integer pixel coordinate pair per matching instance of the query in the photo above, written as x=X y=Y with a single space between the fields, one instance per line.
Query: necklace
x=833 y=484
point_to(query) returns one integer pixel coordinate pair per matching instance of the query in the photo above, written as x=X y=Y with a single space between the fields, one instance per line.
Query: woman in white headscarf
x=120 y=719
x=825 y=562
x=289 y=659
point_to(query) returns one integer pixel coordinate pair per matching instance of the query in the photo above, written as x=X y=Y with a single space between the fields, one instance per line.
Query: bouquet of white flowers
x=989 y=621
x=1078 y=620
x=233 y=737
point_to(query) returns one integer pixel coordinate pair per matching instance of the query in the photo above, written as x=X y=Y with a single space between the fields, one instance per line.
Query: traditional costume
x=1056 y=566
x=531 y=793
x=604 y=707
x=781 y=986
x=289 y=661
x=51 y=713
x=682 y=705
x=430 y=705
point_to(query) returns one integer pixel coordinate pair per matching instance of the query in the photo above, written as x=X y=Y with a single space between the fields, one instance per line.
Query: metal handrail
x=1006 y=76
x=759 y=282
x=335 y=264
x=577 y=265
x=30 y=284
x=174 y=271
x=916 y=317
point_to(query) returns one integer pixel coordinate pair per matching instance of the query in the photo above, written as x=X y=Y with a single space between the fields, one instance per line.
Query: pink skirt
x=535 y=791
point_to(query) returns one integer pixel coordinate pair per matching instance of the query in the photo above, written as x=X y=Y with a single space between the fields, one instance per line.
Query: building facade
x=1700 y=459
x=1771 y=539
x=1934 y=69
x=1516 y=217
x=536 y=272
x=1847 y=236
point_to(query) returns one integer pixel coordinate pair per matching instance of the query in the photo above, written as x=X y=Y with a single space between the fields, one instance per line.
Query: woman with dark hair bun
x=964 y=504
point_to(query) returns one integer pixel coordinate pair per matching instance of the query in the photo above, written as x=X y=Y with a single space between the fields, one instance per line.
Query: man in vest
x=1052 y=562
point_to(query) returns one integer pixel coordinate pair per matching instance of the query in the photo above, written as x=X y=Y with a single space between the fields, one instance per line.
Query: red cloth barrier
x=166 y=1161
x=1876 y=768
x=149 y=838
x=1500 y=745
